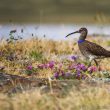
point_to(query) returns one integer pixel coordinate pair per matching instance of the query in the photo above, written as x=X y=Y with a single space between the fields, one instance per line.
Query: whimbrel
x=90 y=50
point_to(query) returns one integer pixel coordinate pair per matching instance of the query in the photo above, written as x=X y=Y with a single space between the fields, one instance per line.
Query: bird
x=90 y=50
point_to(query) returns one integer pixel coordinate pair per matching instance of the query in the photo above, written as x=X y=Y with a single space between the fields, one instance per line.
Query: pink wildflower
x=92 y=69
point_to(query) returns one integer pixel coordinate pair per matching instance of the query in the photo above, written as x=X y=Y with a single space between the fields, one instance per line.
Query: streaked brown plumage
x=90 y=50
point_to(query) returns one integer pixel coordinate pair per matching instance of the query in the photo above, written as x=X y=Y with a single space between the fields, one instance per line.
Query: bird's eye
x=80 y=30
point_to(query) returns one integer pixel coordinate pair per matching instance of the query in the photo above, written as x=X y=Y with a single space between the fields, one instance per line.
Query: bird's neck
x=82 y=38
x=81 y=41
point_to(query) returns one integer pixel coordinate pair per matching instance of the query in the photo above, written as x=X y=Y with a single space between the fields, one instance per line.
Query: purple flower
x=48 y=65
x=51 y=64
x=41 y=66
x=60 y=65
x=73 y=57
x=45 y=65
x=29 y=67
x=56 y=75
x=68 y=74
x=83 y=77
x=80 y=67
x=72 y=67
x=62 y=73
x=92 y=69
x=78 y=73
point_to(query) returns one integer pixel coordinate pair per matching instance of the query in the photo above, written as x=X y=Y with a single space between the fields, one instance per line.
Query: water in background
x=51 y=31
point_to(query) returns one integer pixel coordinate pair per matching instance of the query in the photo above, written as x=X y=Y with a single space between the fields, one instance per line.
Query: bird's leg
x=90 y=61
x=89 y=64
x=96 y=63
x=98 y=66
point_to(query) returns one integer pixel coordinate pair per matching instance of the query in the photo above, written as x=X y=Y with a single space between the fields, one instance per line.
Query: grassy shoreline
x=42 y=58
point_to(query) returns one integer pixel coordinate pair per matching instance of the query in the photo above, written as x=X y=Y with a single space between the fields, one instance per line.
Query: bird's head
x=83 y=33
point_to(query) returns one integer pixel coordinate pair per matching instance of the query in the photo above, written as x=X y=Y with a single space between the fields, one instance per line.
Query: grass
x=43 y=58
x=85 y=99
x=16 y=56
x=33 y=51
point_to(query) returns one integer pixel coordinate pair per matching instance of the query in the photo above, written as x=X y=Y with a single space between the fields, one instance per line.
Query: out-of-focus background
x=55 y=11
x=61 y=16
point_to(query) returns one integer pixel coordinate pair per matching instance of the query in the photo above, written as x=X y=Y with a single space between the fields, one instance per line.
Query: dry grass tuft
x=85 y=99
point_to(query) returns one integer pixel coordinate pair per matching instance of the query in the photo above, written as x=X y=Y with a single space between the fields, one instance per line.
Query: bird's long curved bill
x=72 y=33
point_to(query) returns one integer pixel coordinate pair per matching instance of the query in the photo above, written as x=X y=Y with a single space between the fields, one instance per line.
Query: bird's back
x=89 y=48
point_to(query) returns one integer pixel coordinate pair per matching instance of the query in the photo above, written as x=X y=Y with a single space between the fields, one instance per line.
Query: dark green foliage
x=36 y=55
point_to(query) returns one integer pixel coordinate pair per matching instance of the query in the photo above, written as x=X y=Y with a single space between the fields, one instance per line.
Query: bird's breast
x=83 y=49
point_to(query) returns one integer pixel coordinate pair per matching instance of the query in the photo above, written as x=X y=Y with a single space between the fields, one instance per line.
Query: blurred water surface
x=51 y=31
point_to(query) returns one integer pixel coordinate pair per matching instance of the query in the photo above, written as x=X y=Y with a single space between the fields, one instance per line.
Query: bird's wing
x=95 y=49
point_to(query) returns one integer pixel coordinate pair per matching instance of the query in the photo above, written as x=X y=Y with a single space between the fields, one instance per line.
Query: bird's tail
x=107 y=54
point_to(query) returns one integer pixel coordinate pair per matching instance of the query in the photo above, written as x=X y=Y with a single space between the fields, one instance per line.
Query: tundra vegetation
x=65 y=80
